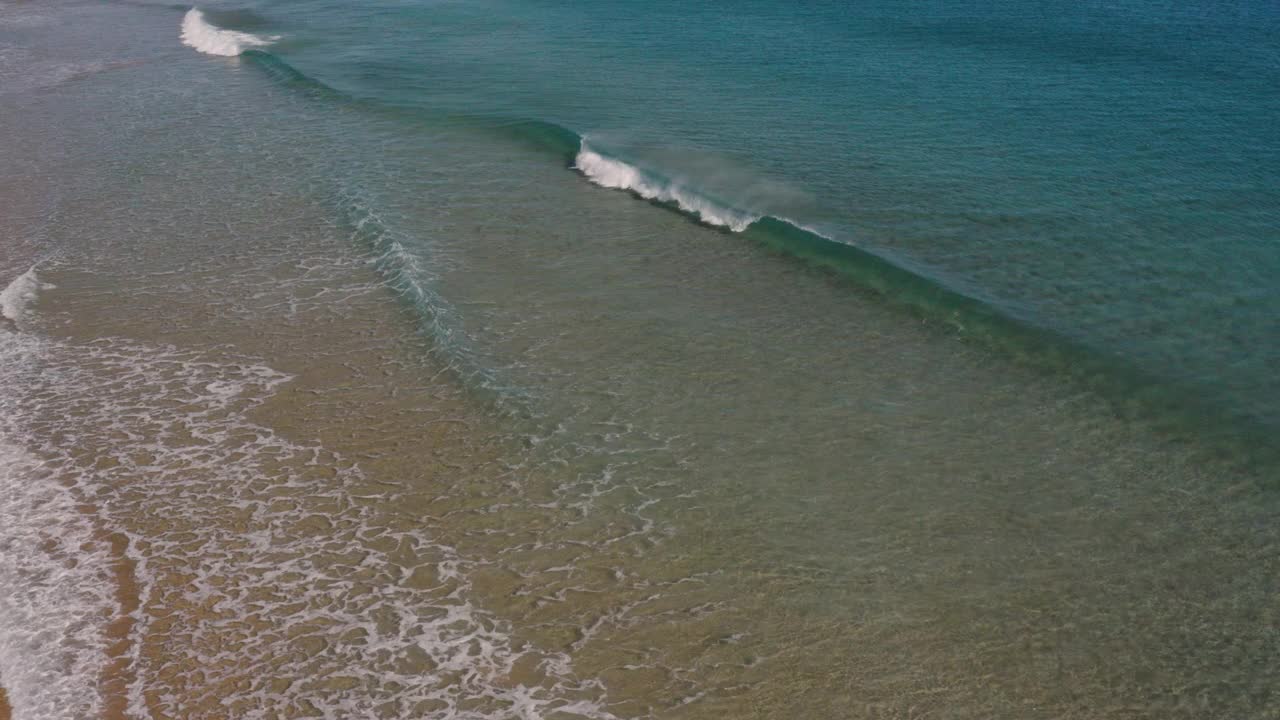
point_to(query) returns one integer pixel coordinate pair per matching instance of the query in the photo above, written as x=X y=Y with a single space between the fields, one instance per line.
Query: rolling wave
x=613 y=173
x=205 y=37
x=1175 y=405
x=289 y=76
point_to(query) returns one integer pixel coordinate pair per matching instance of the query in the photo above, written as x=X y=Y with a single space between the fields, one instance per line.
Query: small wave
x=613 y=173
x=19 y=293
x=409 y=275
x=1178 y=404
x=289 y=76
x=210 y=39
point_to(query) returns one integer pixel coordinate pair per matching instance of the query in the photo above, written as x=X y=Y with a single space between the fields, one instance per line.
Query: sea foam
x=19 y=293
x=56 y=591
x=272 y=539
x=199 y=33
x=613 y=173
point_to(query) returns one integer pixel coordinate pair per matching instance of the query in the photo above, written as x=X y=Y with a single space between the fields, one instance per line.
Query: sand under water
x=313 y=411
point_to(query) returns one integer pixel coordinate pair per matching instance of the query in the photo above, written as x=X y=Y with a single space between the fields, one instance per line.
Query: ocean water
x=1107 y=174
x=531 y=359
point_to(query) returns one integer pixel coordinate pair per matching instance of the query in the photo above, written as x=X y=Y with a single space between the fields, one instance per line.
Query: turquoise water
x=526 y=359
x=1106 y=173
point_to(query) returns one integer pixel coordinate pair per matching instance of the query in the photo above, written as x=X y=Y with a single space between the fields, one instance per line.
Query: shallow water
x=335 y=391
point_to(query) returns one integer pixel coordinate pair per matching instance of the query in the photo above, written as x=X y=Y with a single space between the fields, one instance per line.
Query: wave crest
x=15 y=297
x=613 y=173
x=210 y=39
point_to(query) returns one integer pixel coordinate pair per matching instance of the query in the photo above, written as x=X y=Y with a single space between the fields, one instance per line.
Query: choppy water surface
x=338 y=379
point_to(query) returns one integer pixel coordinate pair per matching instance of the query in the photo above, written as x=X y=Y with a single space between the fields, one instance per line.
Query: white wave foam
x=271 y=539
x=210 y=39
x=53 y=595
x=19 y=293
x=611 y=173
x=56 y=592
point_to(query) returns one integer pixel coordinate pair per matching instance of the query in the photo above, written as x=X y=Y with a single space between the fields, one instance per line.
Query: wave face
x=200 y=34
x=613 y=173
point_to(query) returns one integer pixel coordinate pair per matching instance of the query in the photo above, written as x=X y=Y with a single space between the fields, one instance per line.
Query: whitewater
x=199 y=34
x=612 y=173
x=19 y=293
x=56 y=590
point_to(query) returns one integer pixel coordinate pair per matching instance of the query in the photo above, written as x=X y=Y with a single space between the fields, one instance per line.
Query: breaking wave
x=1178 y=405
x=613 y=173
x=19 y=293
x=56 y=590
x=200 y=34
x=400 y=260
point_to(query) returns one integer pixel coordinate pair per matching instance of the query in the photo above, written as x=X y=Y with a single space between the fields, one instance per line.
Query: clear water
x=375 y=396
x=1106 y=172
